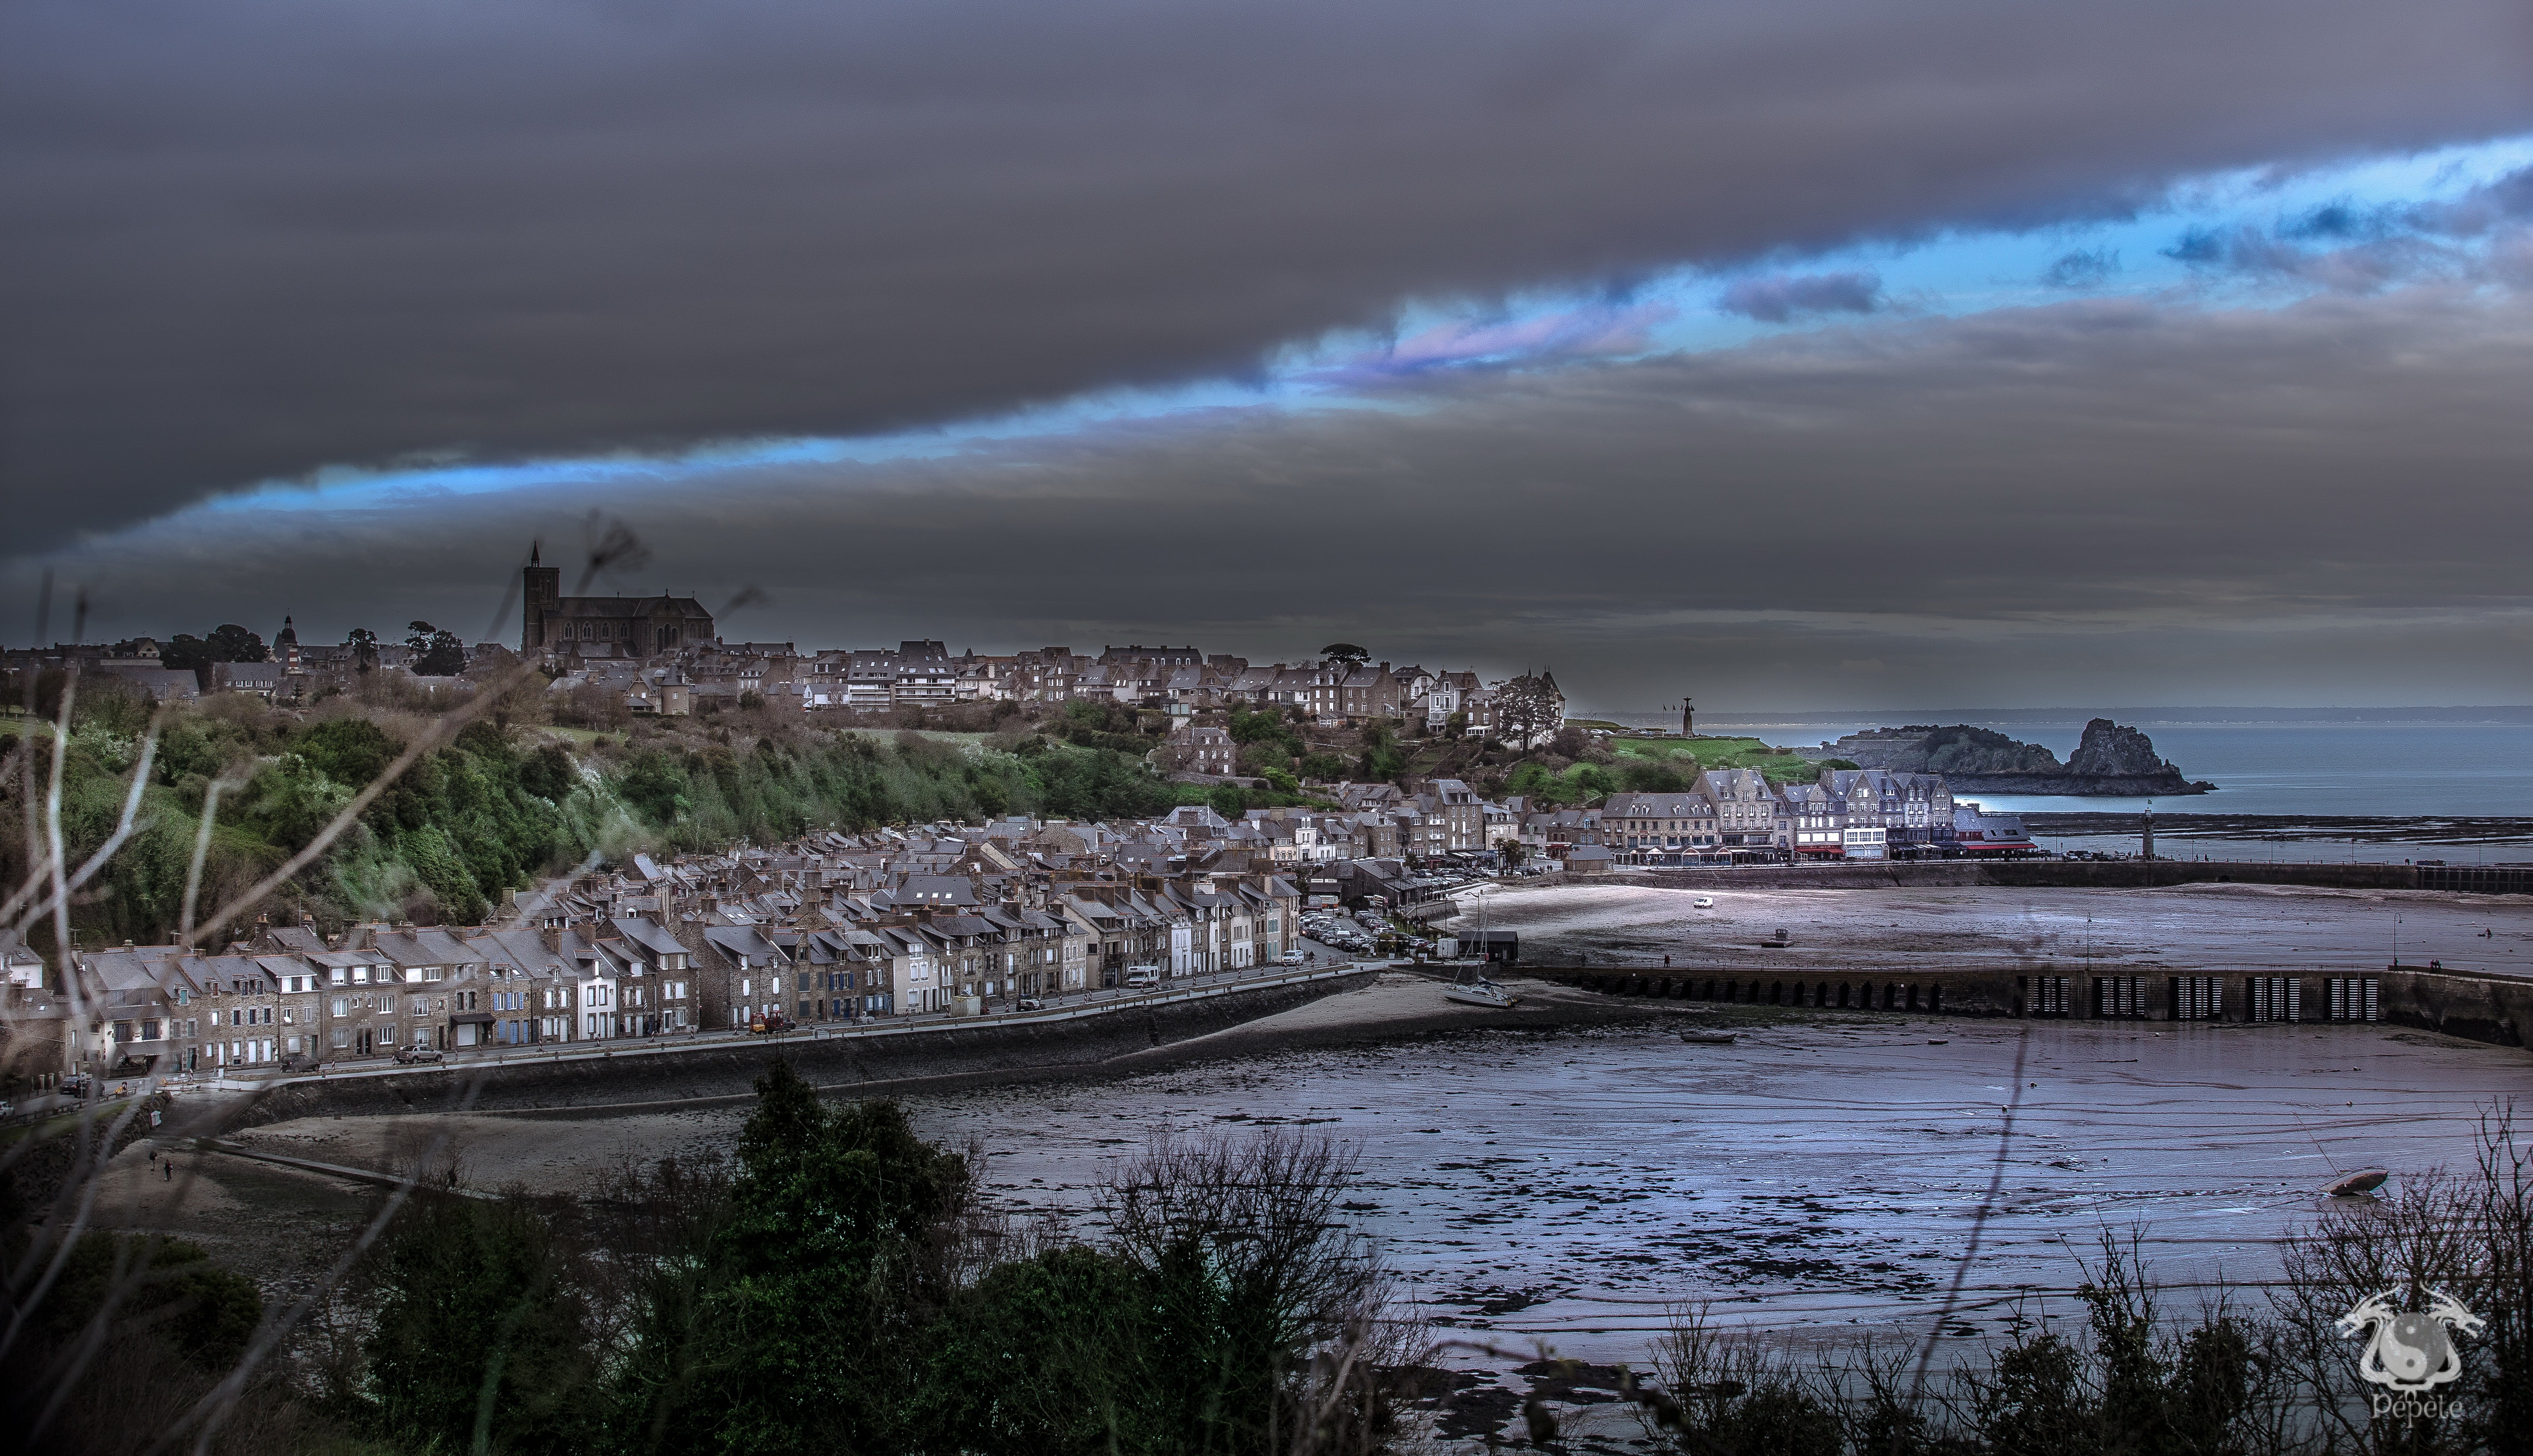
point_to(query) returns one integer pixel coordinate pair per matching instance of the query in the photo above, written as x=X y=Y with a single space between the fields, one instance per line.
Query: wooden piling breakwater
x=2494 y=1009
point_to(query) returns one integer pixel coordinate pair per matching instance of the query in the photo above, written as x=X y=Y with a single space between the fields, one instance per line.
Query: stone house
x=1816 y=821
x=1661 y=828
x=662 y=999
x=136 y=1003
x=240 y=1012
x=1748 y=814
x=1211 y=750
x=1367 y=693
x=905 y=968
x=527 y=999
x=428 y=962
x=740 y=974
x=299 y=989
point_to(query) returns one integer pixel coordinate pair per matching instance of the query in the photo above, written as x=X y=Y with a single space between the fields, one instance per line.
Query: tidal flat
x=1568 y=1185
x=2184 y=928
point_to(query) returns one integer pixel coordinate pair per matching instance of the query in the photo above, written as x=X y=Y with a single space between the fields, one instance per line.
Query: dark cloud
x=2084 y=268
x=2197 y=244
x=2095 y=502
x=1788 y=295
x=2486 y=235
x=246 y=240
x=2332 y=221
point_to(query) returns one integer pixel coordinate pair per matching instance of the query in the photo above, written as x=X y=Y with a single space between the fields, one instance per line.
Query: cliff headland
x=2113 y=762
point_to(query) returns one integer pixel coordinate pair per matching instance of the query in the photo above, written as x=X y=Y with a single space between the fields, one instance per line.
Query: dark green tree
x=437 y=651
x=1324 y=767
x=802 y=1325
x=186 y=652
x=1049 y=1354
x=482 y=1341
x=205 y=1311
x=1654 y=777
x=231 y=643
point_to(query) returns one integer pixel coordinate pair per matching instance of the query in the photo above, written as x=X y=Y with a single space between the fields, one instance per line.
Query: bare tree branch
x=126 y=825
x=202 y=852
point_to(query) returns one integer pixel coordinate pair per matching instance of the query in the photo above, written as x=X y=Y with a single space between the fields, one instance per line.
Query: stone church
x=635 y=627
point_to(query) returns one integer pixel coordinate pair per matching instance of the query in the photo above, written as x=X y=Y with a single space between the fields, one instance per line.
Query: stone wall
x=933 y=1055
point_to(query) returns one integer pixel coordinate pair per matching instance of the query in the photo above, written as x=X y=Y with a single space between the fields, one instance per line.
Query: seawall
x=932 y=1055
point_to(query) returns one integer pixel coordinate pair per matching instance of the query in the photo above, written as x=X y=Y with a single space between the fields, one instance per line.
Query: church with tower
x=606 y=627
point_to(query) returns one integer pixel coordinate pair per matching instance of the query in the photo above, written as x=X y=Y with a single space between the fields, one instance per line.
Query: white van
x=1143 y=975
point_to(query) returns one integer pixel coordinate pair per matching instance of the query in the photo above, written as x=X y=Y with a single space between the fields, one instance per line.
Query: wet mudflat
x=1569 y=1186
x=2183 y=928
x=1818 y=1178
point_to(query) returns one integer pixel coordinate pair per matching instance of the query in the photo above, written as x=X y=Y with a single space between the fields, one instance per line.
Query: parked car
x=299 y=1062
x=75 y=1086
x=1289 y=958
x=1702 y=902
x=1030 y=1003
x=408 y=1056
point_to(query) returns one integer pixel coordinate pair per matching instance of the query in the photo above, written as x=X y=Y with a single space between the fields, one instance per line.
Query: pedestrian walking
x=170 y=1168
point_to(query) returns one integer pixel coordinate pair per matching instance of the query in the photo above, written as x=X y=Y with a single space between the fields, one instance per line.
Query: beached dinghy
x=2363 y=1181
x=1707 y=1038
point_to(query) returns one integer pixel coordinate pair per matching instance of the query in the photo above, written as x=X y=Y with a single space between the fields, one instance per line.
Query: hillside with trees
x=520 y=791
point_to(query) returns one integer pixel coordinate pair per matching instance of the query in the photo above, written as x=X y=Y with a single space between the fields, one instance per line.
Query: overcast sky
x=1797 y=355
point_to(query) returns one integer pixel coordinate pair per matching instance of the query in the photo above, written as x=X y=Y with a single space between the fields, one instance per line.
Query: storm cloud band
x=2321 y=502
x=246 y=241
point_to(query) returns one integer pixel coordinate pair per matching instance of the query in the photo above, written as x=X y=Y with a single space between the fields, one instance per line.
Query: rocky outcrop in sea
x=2111 y=762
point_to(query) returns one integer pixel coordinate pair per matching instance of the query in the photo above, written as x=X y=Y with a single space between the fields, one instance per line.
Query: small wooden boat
x=1707 y=1038
x=2363 y=1181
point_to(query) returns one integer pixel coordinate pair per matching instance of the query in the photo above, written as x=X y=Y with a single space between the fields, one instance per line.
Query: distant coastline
x=2114 y=761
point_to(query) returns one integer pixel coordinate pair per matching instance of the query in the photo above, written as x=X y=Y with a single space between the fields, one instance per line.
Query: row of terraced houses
x=944 y=919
